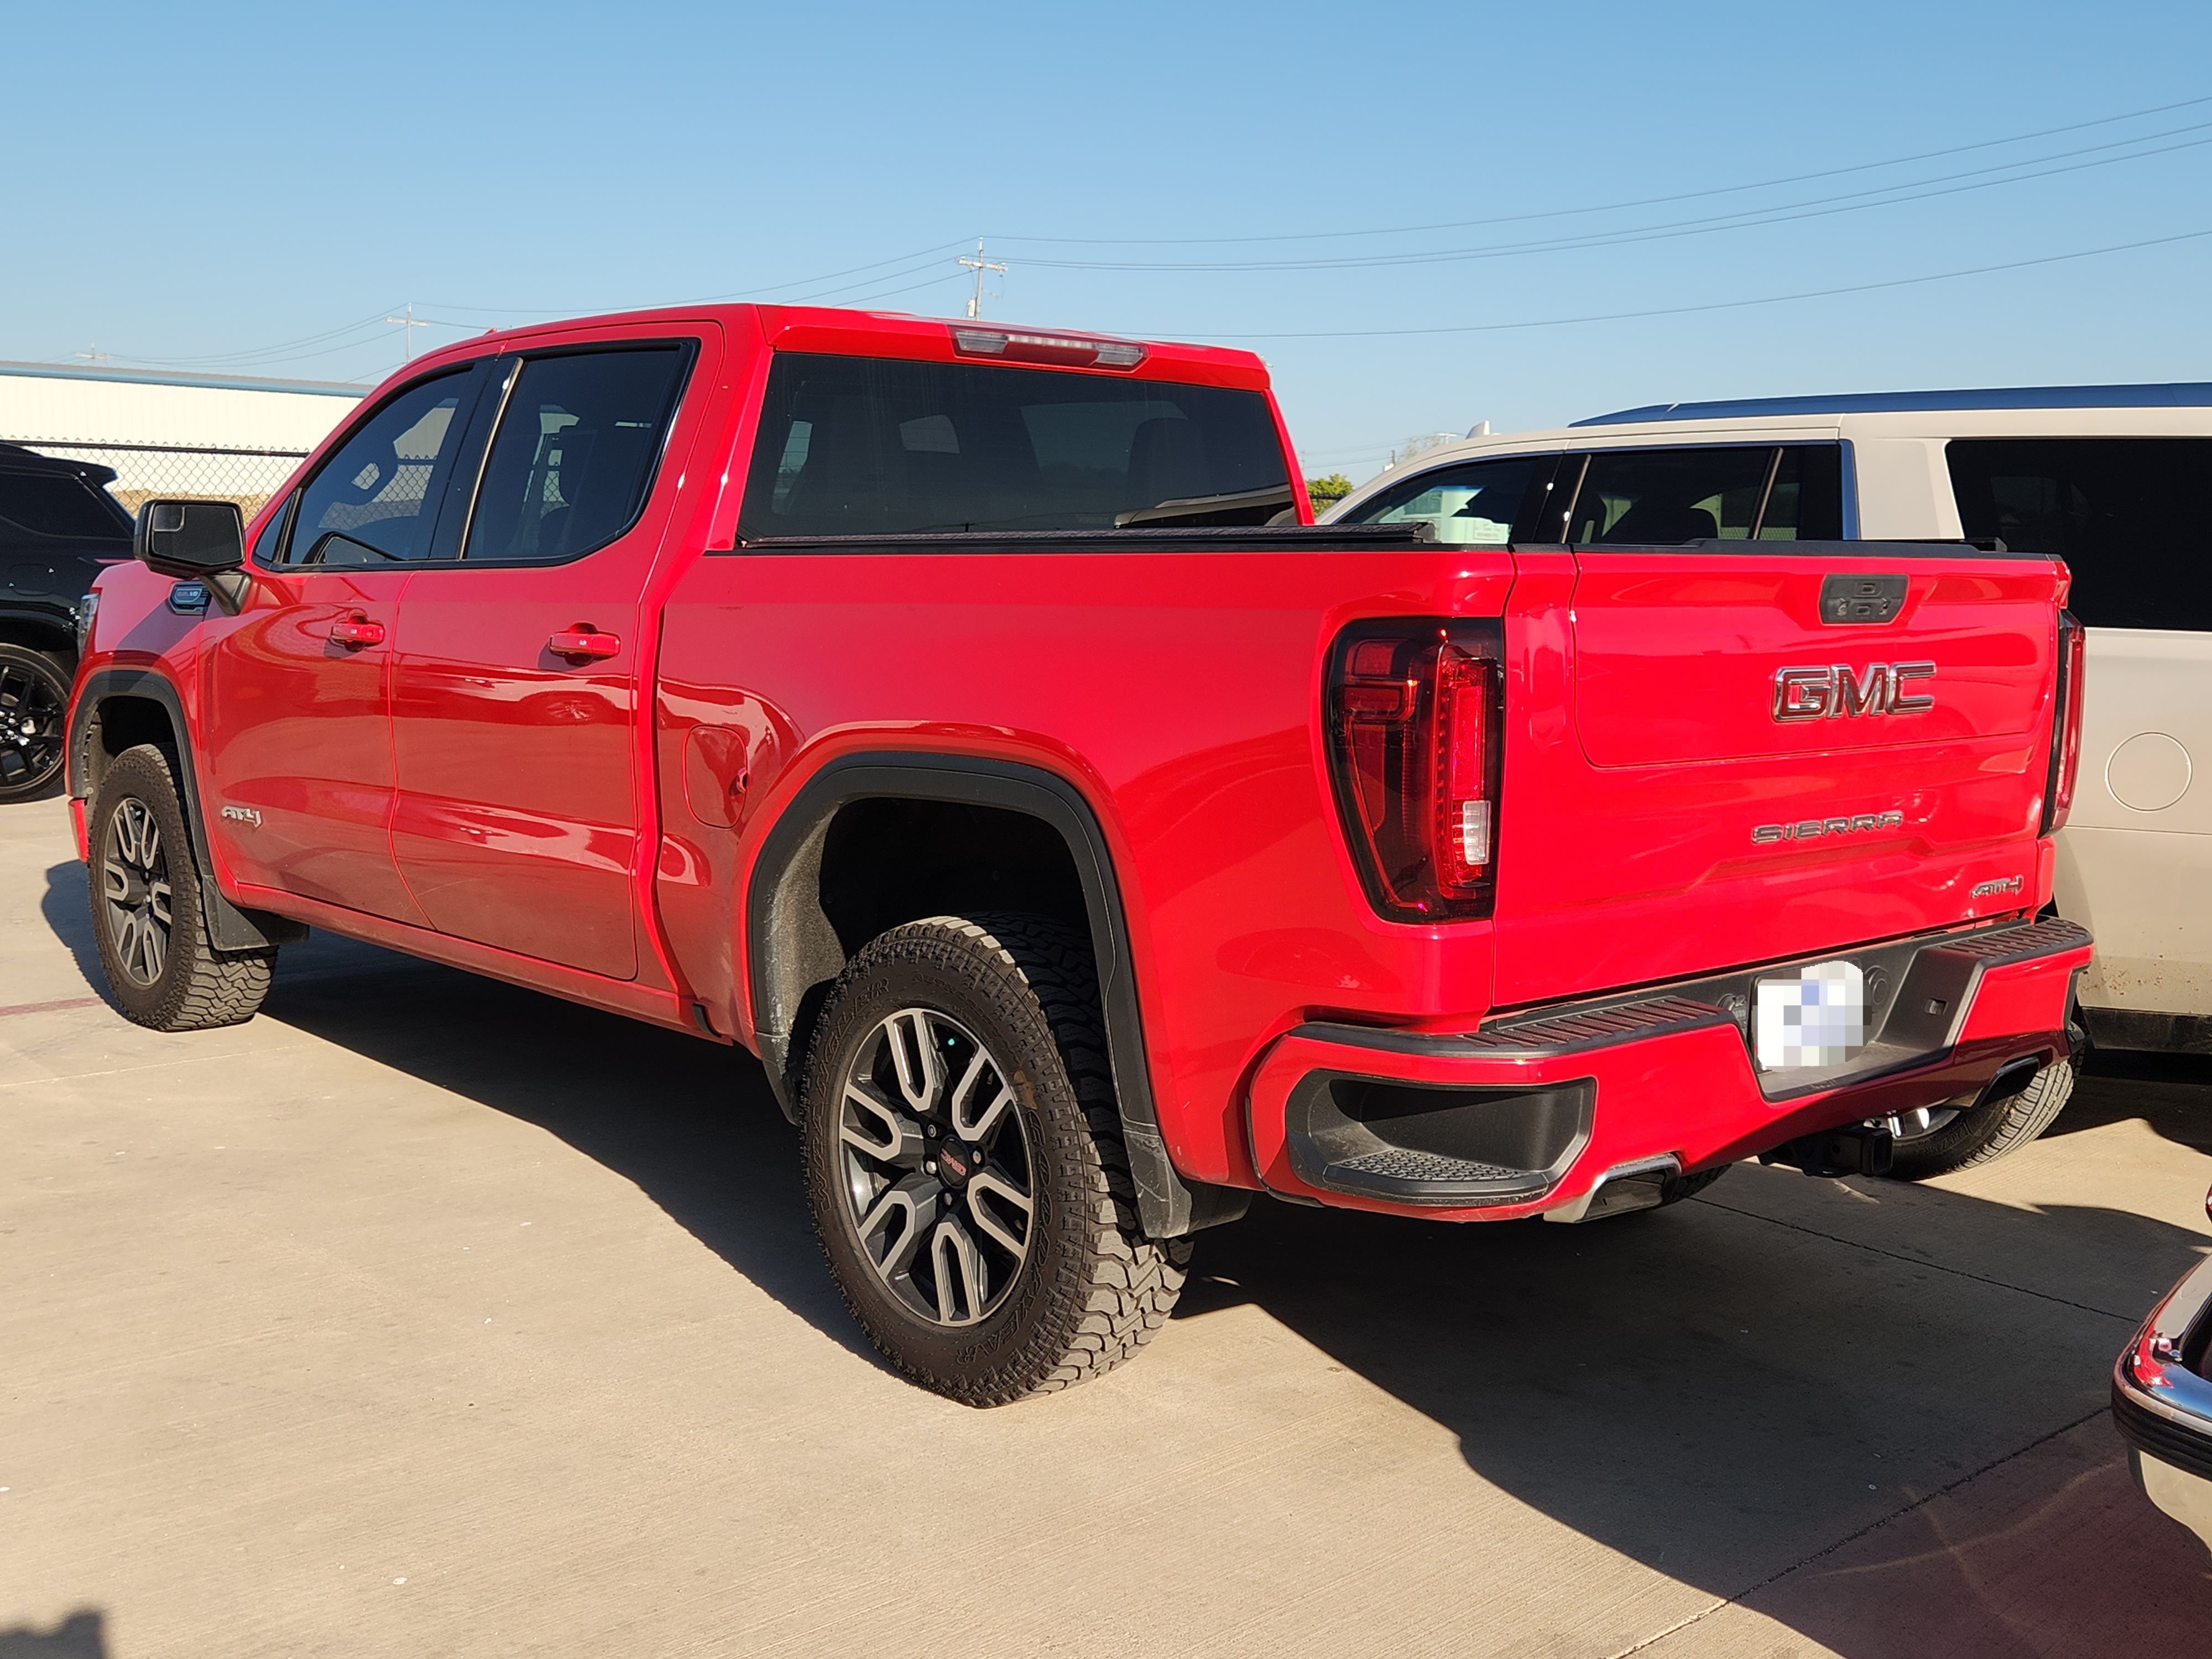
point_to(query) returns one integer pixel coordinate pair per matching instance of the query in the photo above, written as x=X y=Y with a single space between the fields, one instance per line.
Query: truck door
x=297 y=734
x=515 y=677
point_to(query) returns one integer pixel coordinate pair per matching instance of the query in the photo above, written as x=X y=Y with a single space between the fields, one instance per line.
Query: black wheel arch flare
x=791 y=947
x=229 y=928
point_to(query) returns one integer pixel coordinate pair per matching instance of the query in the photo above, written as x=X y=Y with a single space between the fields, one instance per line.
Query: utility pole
x=95 y=355
x=979 y=264
x=408 y=326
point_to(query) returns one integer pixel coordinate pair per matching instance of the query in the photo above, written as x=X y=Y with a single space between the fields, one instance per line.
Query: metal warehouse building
x=228 y=437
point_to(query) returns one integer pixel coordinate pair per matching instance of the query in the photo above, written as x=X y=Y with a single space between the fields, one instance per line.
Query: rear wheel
x=146 y=907
x=1942 y=1138
x=964 y=1162
x=34 y=691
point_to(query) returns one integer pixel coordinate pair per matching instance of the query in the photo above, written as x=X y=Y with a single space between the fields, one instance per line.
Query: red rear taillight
x=2066 y=728
x=1414 y=713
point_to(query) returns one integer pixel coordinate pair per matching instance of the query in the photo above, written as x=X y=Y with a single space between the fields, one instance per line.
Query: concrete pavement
x=424 y=1316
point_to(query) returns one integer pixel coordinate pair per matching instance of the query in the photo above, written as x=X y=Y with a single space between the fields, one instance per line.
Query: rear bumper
x=1532 y=1111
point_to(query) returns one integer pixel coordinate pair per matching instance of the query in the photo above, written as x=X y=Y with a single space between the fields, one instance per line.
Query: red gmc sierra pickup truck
x=969 y=722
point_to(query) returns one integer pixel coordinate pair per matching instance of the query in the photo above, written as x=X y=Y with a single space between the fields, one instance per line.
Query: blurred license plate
x=1816 y=1018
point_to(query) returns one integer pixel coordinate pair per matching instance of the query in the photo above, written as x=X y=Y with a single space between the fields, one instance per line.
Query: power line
x=224 y=358
x=939 y=249
x=1715 y=305
x=871 y=275
x=1614 y=207
x=1785 y=213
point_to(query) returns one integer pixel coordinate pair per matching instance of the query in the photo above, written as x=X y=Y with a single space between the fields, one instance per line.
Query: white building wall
x=173 y=435
x=118 y=407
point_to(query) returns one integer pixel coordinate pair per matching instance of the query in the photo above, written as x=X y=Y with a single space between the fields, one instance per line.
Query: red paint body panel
x=298 y=729
x=1197 y=677
x=590 y=826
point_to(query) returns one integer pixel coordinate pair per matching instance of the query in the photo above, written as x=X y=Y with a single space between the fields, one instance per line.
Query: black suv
x=58 y=526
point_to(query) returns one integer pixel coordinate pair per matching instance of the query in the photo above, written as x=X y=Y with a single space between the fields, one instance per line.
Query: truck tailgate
x=1769 y=749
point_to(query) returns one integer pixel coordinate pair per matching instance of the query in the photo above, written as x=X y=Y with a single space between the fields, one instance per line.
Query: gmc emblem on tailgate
x=1836 y=692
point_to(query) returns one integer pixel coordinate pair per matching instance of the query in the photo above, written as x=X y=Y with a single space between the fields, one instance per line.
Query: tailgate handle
x=583 y=645
x=356 y=633
x=1848 y=598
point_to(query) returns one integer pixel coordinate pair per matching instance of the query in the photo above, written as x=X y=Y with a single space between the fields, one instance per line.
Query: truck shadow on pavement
x=82 y=1635
x=692 y=1124
x=1871 y=1412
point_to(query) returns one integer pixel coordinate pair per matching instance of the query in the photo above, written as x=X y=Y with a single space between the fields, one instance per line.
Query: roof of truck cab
x=886 y=334
x=2168 y=395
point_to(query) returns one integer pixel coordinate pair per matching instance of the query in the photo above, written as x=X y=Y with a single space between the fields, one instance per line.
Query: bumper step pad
x=1399 y=1163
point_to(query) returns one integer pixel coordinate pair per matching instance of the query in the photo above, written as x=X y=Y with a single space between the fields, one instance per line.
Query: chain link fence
x=248 y=477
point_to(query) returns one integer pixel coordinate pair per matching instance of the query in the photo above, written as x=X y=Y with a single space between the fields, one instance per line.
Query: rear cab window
x=2126 y=514
x=865 y=445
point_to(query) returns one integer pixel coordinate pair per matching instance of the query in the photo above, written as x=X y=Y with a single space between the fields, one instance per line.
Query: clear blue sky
x=205 y=186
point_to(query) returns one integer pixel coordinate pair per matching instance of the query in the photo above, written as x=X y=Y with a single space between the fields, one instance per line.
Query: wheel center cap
x=956 y=1162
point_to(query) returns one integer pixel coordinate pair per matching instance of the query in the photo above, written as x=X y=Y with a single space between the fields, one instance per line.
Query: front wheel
x=35 y=692
x=1939 y=1139
x=146 y=913
x=964 y=1162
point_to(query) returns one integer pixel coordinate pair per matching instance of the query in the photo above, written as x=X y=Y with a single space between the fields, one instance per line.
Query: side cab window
x=53 y=503
x=1719 y=492
x=268 y=543
x=376 y=498
x=579 y=437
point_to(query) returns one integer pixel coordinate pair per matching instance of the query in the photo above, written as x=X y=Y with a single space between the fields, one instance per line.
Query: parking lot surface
x=427 y=1315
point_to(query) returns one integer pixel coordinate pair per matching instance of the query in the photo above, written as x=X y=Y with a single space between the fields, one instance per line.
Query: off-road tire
x=1981 y=1134
x=1093 y=1289
x=197 y=987
x=29 y=771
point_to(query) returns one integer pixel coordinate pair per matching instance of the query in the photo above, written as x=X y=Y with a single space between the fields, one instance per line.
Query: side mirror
x=195 y=541
x=185 y=540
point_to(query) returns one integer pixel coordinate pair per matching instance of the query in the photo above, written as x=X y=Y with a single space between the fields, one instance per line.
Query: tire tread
x=1115 y=1292
x=202 y=988
x=1984 y=1135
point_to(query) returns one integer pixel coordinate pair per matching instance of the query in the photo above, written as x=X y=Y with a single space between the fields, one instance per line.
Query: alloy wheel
x=30 y=728
x=937 y=1165
x=134 y=882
